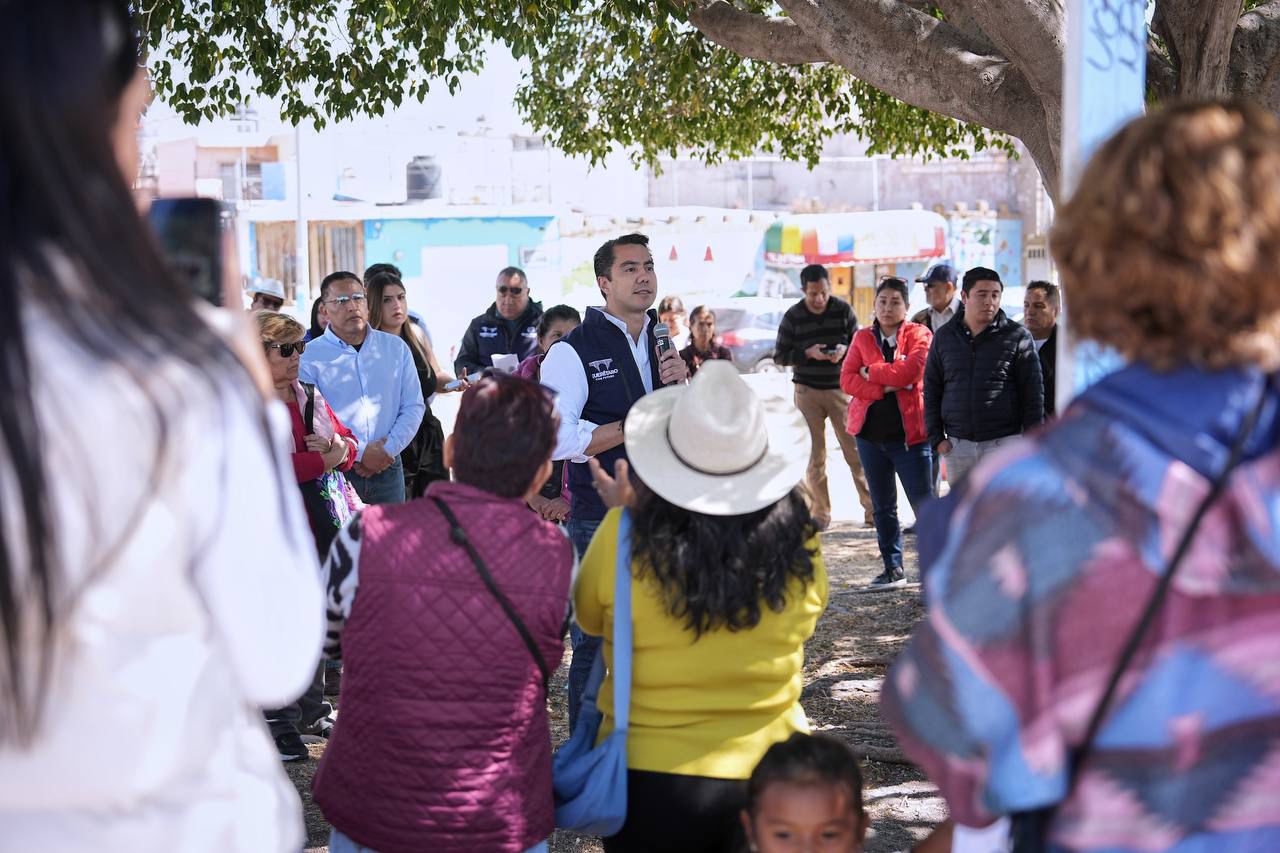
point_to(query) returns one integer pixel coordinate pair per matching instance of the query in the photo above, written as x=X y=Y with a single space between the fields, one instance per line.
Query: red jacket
x=906 y=370
x=308 y=465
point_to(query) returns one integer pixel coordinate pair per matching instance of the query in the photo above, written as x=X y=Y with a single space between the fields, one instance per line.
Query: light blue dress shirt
x=374 y=391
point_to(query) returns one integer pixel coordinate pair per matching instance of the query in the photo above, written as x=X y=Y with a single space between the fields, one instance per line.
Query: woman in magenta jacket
x=884 y=373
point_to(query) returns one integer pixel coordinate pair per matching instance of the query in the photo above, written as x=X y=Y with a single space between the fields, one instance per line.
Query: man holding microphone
x=598 y=371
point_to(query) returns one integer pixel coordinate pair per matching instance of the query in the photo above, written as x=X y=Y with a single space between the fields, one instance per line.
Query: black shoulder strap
x=460 y=537
x=309 y=413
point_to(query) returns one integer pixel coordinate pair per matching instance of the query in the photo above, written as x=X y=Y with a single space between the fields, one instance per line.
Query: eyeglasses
x=513 y=291
x=287 y=350
x=356 y=299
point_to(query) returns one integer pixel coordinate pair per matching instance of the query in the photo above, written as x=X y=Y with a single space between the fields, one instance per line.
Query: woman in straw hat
x=728 y=583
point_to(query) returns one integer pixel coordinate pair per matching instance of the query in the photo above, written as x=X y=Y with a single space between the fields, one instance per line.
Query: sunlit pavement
x=844 y=499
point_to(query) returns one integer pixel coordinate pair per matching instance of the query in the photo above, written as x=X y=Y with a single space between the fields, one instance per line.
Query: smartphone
x=457 y=383
x=830 y=349
x=192 y=234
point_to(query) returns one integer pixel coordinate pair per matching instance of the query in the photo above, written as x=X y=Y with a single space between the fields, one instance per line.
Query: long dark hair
x=316 y=329
x=64 y=66
x=722 y=571
x=376 y=285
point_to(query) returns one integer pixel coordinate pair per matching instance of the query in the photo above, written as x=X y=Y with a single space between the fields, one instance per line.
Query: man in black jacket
x=982 y=382
x=509 y=326
x=1040 y=308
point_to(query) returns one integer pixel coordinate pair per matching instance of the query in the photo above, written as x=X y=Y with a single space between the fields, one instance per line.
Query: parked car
x=748 y=326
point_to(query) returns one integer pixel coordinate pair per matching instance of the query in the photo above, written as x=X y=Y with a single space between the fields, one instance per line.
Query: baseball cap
x=939 y=272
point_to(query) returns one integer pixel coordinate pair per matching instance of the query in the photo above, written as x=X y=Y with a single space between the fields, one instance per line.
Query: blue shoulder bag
x=591 y=781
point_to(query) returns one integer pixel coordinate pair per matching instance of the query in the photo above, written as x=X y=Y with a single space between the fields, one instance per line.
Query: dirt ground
x=845 y=663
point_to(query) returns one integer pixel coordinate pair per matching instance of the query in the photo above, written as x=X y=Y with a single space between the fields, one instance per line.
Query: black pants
x=304 y=713
x=680 y=814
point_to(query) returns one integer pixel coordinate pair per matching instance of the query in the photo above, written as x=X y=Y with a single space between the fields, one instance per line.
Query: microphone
x=663 y=334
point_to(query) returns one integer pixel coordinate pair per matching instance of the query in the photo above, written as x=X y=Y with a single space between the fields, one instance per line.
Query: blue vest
x=613 y=384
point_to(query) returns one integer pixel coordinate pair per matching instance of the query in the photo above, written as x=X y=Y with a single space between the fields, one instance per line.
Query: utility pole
x=1104 y=86
x=302 y=283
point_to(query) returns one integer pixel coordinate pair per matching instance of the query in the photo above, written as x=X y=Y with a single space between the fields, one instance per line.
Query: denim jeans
x=585 y=646
x=384 y=488
x=339 y=843
x=881 y=461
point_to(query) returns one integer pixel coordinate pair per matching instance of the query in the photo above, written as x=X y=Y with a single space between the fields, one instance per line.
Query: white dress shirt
x=563 y=373
x=940 y=318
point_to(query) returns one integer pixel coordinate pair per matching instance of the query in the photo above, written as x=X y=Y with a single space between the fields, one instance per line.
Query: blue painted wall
x=400 y=241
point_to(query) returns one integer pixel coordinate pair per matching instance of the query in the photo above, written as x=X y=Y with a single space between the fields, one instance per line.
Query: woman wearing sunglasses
x=322 y=447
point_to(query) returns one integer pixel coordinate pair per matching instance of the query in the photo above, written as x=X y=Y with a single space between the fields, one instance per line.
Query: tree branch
x=958 y=16
x=776 y=40
x=1030 y=33
x=1198 y=35
x=1255 y=56
x=1162 y=78
x=918 y=59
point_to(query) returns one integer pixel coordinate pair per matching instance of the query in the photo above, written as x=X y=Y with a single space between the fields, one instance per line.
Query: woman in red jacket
x=321 y=449
x=884 y=374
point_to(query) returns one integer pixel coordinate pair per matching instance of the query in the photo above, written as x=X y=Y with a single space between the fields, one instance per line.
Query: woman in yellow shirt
x=727 y=585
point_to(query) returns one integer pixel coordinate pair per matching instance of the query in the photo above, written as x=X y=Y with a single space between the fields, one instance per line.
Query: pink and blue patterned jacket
x=1045 y=565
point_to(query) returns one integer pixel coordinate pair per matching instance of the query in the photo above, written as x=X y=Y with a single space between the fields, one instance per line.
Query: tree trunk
x=998 y=63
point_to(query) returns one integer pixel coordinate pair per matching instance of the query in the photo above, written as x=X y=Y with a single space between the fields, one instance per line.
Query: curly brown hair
x=1170 y=247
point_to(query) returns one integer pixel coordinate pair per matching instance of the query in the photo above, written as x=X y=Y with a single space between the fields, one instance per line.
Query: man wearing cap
x=982 y=383
x=943 y=303
x=940 y=292
x=598 y=371
x=267 y=293
x=509 y=326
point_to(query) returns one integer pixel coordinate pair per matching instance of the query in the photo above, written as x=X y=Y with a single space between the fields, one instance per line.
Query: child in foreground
x=806 y=794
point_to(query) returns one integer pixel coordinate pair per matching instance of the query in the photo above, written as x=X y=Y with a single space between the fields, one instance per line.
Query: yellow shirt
x=709 y=707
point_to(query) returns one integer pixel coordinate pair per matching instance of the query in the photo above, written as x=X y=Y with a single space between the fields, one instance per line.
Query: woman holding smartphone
x=158 y=583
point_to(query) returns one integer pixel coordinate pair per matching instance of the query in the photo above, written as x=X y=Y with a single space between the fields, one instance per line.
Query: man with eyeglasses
x=509 y=326
x=369 y=379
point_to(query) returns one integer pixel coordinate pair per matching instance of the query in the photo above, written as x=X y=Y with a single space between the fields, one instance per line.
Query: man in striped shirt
x=813 y=337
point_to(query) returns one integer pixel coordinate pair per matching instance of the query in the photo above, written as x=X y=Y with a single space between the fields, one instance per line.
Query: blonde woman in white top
x=156 y=583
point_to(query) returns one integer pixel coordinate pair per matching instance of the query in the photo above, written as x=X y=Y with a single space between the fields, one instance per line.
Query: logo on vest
x=488 y=331
x=603 y=368
x=531 y=332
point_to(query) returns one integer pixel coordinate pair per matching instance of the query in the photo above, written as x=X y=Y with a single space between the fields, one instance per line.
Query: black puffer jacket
x=982 y=388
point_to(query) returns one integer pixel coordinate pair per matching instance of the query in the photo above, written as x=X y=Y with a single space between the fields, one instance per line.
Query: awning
x=845 y=239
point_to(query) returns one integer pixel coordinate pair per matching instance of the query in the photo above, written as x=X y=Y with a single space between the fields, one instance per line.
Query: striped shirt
x=801 y=329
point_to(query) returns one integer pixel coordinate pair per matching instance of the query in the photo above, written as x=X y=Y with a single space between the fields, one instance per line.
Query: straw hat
x=714 y=447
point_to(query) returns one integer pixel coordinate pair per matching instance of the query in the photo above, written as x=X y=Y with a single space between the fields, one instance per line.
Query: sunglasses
x=508 y=290
x=287 y=350
x=356 y=299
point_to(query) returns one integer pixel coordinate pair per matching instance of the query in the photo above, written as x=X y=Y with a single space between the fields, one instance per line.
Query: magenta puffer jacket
x=442 y=741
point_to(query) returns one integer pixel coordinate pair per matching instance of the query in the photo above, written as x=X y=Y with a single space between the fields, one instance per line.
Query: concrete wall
x=450 y=265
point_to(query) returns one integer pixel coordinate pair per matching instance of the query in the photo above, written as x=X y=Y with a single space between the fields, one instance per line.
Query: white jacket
x=192 y=601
